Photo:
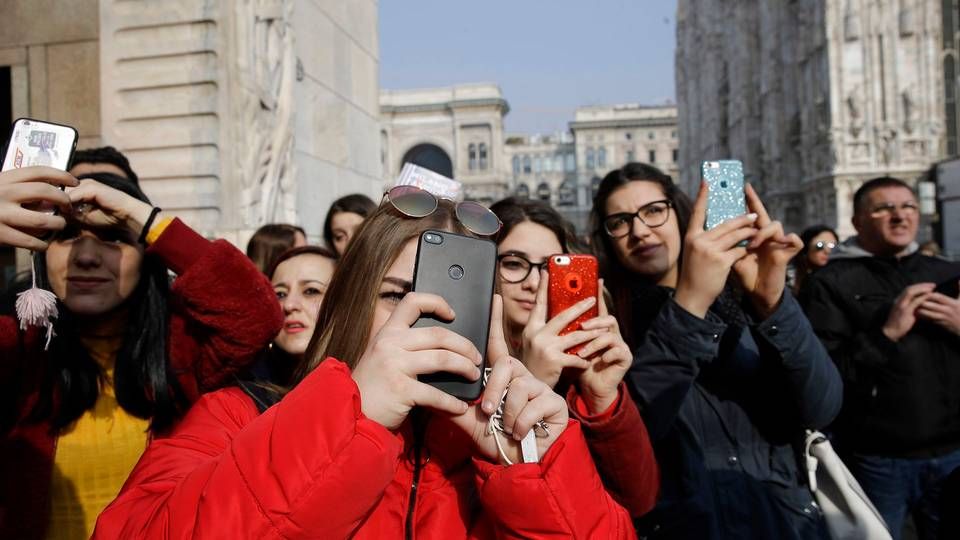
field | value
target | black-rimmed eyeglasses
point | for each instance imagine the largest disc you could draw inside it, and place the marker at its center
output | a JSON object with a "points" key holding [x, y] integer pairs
{"points": [[514, 268], [652, 215]]}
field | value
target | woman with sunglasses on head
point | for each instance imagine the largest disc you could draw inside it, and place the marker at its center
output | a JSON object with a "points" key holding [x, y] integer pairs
{"points": [[726, 381], [128, 352], [591, 379], [818, 242], [358, 447]]}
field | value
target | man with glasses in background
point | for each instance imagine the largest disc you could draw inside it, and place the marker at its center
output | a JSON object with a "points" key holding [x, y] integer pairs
{"points": [[880, 309]]}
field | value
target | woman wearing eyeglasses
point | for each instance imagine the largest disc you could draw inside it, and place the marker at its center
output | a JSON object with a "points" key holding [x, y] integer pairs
{"points": [[358, 447], [818, 242], [727, 375], [592, 379]]}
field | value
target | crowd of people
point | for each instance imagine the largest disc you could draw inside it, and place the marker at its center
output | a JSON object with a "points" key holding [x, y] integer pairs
{"points": [[192, 391]]}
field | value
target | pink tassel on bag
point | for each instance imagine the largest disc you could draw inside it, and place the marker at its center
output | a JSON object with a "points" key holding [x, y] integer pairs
{"points": [[37, 307]]}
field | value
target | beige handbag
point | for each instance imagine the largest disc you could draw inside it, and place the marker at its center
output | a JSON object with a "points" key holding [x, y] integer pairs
{"points": [[848, 512]]}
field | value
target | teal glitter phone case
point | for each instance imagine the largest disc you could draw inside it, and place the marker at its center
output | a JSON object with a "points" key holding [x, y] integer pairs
{"points": [[725, 196]]}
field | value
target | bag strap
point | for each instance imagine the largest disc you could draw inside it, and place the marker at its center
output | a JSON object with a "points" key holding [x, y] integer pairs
{"points": [[813, 438]]}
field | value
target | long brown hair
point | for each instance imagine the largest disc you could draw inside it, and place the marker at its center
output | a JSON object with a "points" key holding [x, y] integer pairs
{"points": [[343, 326]]}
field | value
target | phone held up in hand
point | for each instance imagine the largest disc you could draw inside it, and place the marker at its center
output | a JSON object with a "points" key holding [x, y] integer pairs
{"points": [[725, 196], [460, 269], [35, 143], [572, 278]]}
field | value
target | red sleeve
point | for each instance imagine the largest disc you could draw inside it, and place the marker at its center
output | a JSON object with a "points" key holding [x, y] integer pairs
{"points": [[560, 497], [223, 310], [311, 466], [621, 448]]}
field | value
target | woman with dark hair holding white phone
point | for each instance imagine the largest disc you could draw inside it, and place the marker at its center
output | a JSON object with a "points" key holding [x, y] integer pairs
{"points": [[128, 352]]}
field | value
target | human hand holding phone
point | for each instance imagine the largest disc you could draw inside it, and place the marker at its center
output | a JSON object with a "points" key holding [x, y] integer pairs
{"points": [[708, 256], [600, 380], [544, 348], [19, 226], [528, 401], [763, 271], [387, 372]]}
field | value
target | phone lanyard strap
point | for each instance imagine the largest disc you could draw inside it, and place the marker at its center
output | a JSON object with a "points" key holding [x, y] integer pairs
{"points": [[528, 445]]}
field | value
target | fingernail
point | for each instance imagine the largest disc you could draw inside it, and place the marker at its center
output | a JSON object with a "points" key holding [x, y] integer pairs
{"points": [[517, 437], [487, 407], [752, 216], [589, 301], [476, 374]]}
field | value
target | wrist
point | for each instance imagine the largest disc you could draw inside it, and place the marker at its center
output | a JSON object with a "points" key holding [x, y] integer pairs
{"points": [[138, 216], [598, 402], [691, 303], [763, 306], [891, 334]]}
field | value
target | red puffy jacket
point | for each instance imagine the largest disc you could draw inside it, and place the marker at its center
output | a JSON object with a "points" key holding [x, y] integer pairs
{"points": [[223, 311], [313, 466]]}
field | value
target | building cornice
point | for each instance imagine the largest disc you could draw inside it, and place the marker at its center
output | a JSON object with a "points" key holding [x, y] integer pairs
{"points": [[446, 106], [623, 123]]}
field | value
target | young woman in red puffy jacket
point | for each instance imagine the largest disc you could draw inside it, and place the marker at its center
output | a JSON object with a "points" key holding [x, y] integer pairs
{"points": [[358, 447], [129, 353]]}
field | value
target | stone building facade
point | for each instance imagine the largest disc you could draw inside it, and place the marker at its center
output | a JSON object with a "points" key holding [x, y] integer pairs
{"points": [[609, 136], [814, 97], [233, 112], [456, 131]]}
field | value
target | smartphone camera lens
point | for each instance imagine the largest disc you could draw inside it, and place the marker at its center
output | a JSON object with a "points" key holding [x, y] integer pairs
{"points": [[456, 272], [433, 238]]}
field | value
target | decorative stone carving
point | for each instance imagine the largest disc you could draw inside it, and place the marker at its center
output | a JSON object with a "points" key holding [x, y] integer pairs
{"points": [[905, 18], [911, 114], [267, 69], [851, 22], [854, 103]]}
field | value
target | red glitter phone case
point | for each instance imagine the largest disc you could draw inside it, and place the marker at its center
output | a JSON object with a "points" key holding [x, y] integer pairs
{"points": [[572, 279]]}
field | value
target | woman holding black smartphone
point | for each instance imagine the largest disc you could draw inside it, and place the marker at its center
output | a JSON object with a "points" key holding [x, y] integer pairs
{"points": [[129, 352], [727, 375], [358, 446]]}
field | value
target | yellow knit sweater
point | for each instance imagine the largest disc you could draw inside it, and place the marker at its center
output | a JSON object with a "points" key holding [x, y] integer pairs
{"points": [[95, 454]]}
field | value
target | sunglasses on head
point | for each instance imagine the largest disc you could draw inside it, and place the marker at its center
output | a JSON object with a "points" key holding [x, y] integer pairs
{"points": [[414, 202]]}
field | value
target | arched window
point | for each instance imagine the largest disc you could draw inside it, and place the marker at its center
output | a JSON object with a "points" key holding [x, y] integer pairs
{"points": [[526, 164], [602, 158], [567, 194], [431, 157], [483, 156], [543, 192], [591, 164], [516, 164], [472, 157], [523, 191]]}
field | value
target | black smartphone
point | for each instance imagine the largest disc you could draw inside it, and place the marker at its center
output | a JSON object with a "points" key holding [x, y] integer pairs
{"points": [[950, 287], [461, 269]]}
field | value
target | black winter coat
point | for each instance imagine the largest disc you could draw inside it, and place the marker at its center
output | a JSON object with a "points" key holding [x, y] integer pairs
{"points": [[901, 399], [725, 406]]}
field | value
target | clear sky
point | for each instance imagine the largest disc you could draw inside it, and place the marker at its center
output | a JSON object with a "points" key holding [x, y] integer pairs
{"points": [[548, 56]]}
